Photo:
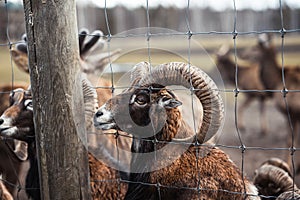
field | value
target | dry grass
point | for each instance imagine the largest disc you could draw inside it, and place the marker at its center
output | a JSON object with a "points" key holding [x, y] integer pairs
{"points": [[164, 49], [8, 70]]}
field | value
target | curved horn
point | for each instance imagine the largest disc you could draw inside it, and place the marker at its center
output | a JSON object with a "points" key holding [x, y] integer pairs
{"points": [[289, 195], [137, 73], [90, 101], [277, 178], [223, 50], [193, 78], [90, 43], [278, 163]]}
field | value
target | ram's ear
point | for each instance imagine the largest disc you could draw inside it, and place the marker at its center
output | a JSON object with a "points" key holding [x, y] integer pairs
{"points": [[171, 103], [22, 47], [14, 53], [21, 150]]}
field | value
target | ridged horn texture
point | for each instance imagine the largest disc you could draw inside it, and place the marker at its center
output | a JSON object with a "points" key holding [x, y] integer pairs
{"points": [[193, 78], [272, 181], [137, 73], [90, 101], [278, 163], [289, 195]]}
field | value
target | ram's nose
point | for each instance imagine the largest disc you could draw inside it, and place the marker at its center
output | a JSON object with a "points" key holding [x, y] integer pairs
{"points": [[99, 113], [1, 121]]}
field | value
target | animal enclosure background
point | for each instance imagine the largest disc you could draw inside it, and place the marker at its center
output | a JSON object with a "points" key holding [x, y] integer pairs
{"points": [[194, 33]]}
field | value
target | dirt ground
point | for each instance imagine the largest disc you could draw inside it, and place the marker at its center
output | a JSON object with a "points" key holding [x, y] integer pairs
{"points": [[259, 148]]}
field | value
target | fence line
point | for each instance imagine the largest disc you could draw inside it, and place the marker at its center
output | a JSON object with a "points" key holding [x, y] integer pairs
{"points": [[236, 91]]}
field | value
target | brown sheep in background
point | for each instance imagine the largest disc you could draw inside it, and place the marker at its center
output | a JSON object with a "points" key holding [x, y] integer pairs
{"points": [[13, 153], [204, 172], [4, 193], [273, 180], [5, 91], [13, 164], [92, 62], [91, 65], [271, 75], [248, 79], [292, 80], [20, 114], [20, 57], [265, 53]]}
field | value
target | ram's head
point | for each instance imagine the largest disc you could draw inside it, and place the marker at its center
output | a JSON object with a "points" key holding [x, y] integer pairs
{"points": [[141, 105]]}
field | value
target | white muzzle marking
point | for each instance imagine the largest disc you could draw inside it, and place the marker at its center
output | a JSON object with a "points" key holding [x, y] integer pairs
{"points": [[103, 119], [6, 128]]}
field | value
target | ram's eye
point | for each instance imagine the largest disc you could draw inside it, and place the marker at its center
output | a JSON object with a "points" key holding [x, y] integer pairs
{"points": [[166, 98], [141, 99], [28, 104]]}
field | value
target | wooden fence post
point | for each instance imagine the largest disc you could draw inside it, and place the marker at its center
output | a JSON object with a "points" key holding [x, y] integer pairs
{"points": [[57, 98]]}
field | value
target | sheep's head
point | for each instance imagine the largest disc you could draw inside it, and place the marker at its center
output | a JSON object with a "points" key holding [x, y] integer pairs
{"points": [[151, 104], [17, 121], [20, 57], [265, 39], [261, 51], [223, 52], [89, 64], [148, 110]]}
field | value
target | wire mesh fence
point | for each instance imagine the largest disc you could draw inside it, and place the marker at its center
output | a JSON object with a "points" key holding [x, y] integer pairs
{"points": [[247, 148]]}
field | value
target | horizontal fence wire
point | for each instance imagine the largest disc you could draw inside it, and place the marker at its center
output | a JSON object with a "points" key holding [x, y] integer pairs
{"points": [[189, 33]]}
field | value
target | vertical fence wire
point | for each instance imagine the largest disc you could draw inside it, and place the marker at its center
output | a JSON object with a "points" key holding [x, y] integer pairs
{"points": [[108, 44], [284, 95], [10, 45], [116, 133], [236, 92], [189, 37]]}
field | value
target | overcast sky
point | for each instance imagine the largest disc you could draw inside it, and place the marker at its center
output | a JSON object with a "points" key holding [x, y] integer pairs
{"points": [[214, 4]]}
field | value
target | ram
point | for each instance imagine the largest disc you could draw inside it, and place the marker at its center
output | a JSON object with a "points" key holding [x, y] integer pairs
{"points": [[154, 120], [17, 123], [274, 181]]}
